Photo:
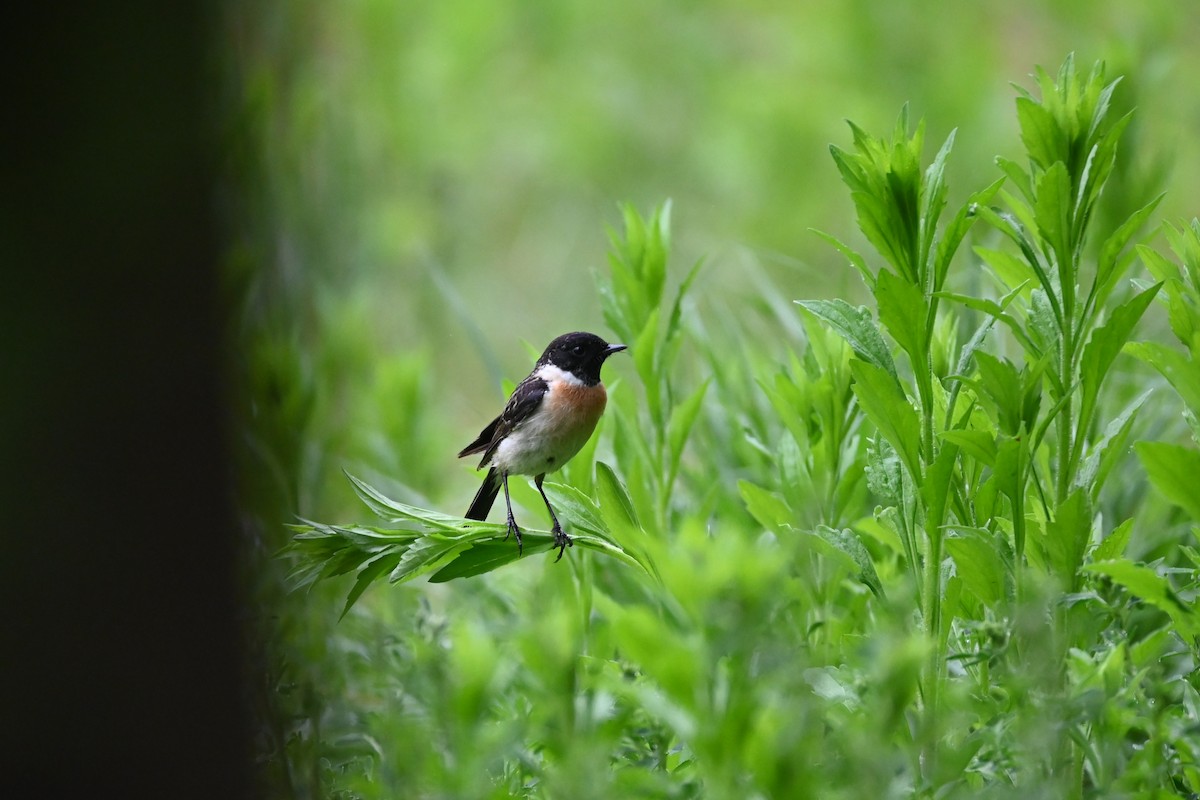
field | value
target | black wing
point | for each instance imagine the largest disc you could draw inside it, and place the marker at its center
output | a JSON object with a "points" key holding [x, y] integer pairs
{"points": [[526, 399]]}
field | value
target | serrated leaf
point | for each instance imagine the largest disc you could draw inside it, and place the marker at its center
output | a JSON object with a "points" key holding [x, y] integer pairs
{"points": [[856, 327], [1052, 211], [1067, 538], [847, 542], [903, 312], [978, 562], [885, 404]]}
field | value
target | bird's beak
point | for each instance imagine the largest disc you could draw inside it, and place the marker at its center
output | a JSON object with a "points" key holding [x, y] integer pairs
{"points": [[614, 348]]}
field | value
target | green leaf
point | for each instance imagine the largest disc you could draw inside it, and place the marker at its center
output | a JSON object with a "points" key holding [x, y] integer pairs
{"points": [[395, 511], [1143, 582], [1181, 372], [902, 310], [425, 555], [1012, 271], [1174, 471], [1000, 388], [1040, 132], [1017, 175], [856, 327], [616, 507], [846, 541], [1104, 345], [1052, 211], [979, 562], [936, 487], [979, 445], [856, 260], [1067, 538], [768, 508], [1107, 272], [957, 230], [1113, 546], [680, 426], [997, 312], [885, 404], [1111, 446]]}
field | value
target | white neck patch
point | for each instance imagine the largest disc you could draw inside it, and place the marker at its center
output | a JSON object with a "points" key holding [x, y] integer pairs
{"points": [[551, 373]]}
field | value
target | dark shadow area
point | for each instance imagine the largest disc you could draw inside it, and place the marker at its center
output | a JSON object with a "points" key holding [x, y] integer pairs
{"points": [[121, 665]]}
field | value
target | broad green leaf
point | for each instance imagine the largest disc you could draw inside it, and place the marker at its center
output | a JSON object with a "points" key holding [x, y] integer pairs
{"points": [[885, 404], [856, 327], [1052, 211], [1043, 139], [1067, 538], [768, 508], [1000, 387], [902, 310], [978, 562], [482, 557], [979, 445], [1174, 471]]}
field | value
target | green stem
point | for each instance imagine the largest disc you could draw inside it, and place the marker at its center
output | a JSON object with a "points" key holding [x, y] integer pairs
{"points": [[933, 668]]}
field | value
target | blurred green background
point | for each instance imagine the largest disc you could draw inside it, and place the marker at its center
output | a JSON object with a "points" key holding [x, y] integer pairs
{"points": [[419, 193], [435, 178]]}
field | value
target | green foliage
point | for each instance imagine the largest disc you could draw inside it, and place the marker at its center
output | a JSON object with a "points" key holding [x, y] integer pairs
{"points": [[852, 550]]}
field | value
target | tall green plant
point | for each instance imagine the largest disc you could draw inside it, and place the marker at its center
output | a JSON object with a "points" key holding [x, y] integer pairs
{"points": [[963, 443]]}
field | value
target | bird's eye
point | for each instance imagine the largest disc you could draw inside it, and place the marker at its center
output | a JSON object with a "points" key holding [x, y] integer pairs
{"points": [[577, 349]]}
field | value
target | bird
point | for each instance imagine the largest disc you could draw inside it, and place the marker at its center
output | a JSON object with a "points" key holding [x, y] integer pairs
{"points": [[548, 418]]}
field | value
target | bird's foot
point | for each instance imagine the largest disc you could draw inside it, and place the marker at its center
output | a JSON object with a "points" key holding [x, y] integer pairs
{"points": [[561, 541], [513, 530]]}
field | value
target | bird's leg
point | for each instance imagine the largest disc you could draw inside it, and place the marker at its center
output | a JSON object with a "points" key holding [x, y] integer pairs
{"points": [[512, 523], [561, 540]]}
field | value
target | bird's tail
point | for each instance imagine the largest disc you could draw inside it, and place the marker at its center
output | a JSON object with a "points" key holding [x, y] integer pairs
{"points": [[486, 495]]}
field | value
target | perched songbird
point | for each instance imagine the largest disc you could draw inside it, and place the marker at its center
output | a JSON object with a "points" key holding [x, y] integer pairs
{"points": [[549, 417]]}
